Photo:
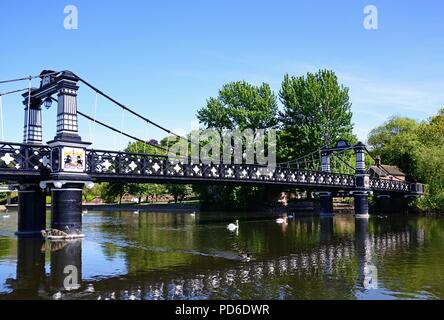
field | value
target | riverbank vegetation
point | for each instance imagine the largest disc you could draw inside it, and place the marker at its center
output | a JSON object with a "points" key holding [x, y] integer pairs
{"points": [[417, 148]]}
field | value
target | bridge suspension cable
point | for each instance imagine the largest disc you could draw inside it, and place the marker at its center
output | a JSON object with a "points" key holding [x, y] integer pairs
{"points": [[27, 78], [94, 120], [119, 131], [11, 92], [128, 109]]}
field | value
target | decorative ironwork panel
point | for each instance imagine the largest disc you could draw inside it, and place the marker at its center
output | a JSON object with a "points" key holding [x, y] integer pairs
{"points": [[24, 157]]}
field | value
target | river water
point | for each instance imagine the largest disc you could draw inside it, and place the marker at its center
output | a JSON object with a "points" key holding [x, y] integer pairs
{"points": [[130, 255]]}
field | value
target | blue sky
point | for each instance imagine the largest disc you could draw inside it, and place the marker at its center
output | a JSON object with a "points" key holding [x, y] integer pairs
{"points": [[166, 58]]}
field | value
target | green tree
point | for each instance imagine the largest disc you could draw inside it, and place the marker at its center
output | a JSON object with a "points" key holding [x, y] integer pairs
{"points": [[397, 142], [138, 189], [178, 191], [316, 113], [148, 147], [239, 105], [142, 189], [417, 149], [430, 166], [90, 194], [155, 190], [112, 191]]}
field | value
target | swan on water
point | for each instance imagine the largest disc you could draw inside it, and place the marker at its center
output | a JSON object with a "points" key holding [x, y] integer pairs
{"points": [[233, 226], [281, 220]]}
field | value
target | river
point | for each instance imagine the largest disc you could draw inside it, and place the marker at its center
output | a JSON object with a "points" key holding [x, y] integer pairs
{"points": [[130, 255]]}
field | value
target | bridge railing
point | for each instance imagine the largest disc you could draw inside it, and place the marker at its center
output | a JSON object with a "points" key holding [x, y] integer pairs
{"points": [[389, 185], [139, 165], [23, 158], [18, 159]]}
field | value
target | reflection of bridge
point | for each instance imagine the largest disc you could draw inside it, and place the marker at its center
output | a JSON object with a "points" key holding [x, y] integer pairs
{"points": [[328, 256], [66, 164]]}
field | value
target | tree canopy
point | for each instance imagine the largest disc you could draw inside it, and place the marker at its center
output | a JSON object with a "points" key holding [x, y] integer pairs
{"points": [[417, 148], [240, 105], [316, 113]]}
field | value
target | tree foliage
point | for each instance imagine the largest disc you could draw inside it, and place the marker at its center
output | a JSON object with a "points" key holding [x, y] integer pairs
{"points": [[141, 190], [240, 105], [417, 149], [317, 113], [110, 192], [397, 142], [178, 191]]}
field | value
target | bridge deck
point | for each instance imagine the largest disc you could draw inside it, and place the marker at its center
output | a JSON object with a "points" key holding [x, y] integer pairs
{"points": [[19, 162]]}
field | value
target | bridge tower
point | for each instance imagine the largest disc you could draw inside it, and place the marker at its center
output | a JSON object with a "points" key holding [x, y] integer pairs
{"points": [[325, 197], [68, 161], [66, 174], [362, 183], [31, 198]]}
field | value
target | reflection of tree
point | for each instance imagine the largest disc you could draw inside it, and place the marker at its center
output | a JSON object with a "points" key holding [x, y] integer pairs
{"points": [[174, 256], [5, 247], [420, 263], [110, 250], [301, 263], [175, 242]]}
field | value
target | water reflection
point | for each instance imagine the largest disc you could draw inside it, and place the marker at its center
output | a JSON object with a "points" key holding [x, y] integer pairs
{"points": [[178, 256]]}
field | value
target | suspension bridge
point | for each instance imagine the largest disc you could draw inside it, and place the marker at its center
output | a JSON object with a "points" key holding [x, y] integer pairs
{"points": [[66, 164]]}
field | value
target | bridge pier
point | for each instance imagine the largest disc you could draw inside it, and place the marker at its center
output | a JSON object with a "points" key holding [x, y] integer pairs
{"points": [[392, 204], [383, 204], [30, 273], [326, 204], [31, 210], [362, 183], [66, 207], [361, 204], [327, 229]]}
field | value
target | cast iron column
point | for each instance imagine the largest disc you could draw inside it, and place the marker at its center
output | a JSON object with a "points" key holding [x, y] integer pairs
{"points": [[66, 209], [31, 199], [325, 198], [362, 183], [31, 210]]}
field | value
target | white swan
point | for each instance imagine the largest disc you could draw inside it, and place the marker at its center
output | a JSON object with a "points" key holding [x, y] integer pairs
{"points": [[193, 214], [136, 212], [281, 220], [233, 226], [6, 216]]}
